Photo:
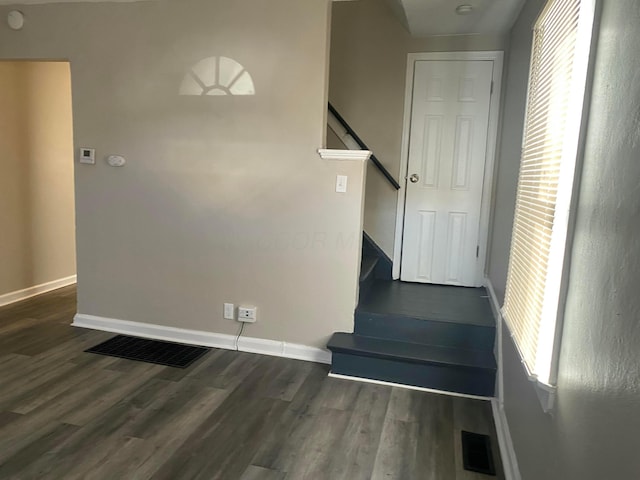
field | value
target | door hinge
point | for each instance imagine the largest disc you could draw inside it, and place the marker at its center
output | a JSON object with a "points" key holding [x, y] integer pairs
{"points": [[491, 92], [477, 251]]}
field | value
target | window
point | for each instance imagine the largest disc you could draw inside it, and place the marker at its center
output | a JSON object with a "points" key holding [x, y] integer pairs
{"points": [[557, 82]]}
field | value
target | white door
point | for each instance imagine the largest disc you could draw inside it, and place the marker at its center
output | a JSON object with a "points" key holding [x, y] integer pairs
{"points": [[447, 152]]}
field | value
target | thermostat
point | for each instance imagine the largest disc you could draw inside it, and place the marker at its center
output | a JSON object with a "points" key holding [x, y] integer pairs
{"points": [[88, 155]]}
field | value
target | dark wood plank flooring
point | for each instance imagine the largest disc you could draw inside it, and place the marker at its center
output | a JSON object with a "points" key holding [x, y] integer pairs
{"points": [[65, 414]]}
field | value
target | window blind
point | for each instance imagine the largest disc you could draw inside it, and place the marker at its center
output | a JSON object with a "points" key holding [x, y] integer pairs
{"points": [[552, 123]]}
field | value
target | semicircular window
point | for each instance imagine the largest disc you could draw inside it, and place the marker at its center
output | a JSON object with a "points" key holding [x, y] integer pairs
{"points": [[217, 76]]}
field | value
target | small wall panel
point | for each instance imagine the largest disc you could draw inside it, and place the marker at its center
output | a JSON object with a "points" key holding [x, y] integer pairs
{"points": [[431, 147], [456, 232], [462, 153], [426, 241]]}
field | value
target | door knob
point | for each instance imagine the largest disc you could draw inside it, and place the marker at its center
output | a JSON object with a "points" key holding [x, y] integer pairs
{"points": [[414, 178]]}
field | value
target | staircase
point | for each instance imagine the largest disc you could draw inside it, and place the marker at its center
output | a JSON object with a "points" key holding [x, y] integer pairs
{"points": [[431, 336]]}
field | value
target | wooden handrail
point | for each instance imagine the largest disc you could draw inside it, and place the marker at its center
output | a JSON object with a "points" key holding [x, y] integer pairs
{"points": [[363, 146]]}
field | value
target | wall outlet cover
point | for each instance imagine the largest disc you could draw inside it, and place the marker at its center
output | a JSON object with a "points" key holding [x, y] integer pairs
{"points": [[247, 314]]}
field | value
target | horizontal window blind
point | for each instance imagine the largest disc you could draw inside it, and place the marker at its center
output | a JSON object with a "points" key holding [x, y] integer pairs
{"points": [[531, 300]]}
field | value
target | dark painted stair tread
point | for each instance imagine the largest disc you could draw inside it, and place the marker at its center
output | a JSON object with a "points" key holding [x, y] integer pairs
{"points": [[368, 264], [410, 352], [429, 302], [429, 332]]}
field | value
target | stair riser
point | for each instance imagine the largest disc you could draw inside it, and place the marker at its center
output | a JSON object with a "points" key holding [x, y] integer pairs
{"points": [[384, 267], [470, 381], [365, 285], [406, 329]]}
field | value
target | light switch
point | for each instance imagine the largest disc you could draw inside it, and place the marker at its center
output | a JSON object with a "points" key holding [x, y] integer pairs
{"points": [[341, 183]]}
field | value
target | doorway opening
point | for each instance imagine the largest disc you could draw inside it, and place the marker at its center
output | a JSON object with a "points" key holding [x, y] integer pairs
{"points": [[37, 205]]}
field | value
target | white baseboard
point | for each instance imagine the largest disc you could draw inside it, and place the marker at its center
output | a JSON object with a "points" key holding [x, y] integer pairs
{"points": [[207, 339], [495, 307], [493, 298], [19, 295], [507, 452], [408, 387]]}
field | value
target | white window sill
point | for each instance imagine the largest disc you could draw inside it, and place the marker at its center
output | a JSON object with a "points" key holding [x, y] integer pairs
{"points": [[546, 395]]}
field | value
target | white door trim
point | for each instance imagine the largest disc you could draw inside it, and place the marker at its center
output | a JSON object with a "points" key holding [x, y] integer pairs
{"points": [[492, 136]]}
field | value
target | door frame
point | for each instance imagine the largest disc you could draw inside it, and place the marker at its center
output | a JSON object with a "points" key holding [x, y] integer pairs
{"points": [[497, 57]]}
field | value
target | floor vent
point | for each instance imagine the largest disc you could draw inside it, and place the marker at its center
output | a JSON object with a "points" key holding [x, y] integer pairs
{"points": [[476, 453], [150, 351]]}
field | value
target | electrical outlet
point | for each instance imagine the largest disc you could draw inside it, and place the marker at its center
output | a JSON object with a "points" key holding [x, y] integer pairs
{"points": [[229, 311], [247, 314]]}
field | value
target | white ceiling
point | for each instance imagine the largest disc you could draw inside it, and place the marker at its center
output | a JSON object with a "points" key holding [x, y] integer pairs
{"points": [[42, 2], [438, 17], [421, 17]]}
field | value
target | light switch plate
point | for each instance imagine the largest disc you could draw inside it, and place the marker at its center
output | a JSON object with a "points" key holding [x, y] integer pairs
{"points": [[341, 183], [229, 311]]}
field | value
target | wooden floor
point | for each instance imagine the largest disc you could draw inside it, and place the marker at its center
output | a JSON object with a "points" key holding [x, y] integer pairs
{"points": [[65, 414]]}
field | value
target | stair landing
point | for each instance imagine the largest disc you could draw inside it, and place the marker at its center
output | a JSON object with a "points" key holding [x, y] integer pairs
{"points": [[443, 303]]}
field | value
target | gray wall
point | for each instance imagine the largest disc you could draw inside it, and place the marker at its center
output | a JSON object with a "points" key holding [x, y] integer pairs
{"points": [[223, 199], [369, 48], [592, 433]]}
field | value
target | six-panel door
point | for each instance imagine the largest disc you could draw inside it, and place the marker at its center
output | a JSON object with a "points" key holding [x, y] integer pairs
{"points": [[447, 152]]}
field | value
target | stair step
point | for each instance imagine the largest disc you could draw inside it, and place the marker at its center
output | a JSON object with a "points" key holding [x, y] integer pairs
{"points": [[428, 332], [430, 302], [384, 265], [367, 266], [367, 274], [429, 366], [367, 247], [455, 317], [410, 352]]}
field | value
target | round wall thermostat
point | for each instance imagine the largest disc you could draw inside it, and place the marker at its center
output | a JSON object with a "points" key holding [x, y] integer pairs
{"points": [[15, 20]]}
